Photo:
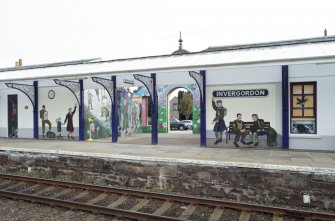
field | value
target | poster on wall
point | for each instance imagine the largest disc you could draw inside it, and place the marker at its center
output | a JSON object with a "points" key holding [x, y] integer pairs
{"points": [[12, 116], [97, 114]]}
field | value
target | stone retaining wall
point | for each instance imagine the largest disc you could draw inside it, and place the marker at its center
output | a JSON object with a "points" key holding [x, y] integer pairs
{"points": [[277, 187]]}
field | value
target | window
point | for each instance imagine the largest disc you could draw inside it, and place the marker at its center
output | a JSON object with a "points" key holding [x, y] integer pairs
{"points": [[303, 108], [175, 107]]}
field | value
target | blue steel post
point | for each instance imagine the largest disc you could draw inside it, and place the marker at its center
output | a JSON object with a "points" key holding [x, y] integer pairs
{"points": [[285, 106], [36, 110], [81, 112], [203, 111], [154, 110], [115, 120]]}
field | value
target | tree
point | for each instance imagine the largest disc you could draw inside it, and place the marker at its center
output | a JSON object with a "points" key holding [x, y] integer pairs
{"points": [[185, 104]]}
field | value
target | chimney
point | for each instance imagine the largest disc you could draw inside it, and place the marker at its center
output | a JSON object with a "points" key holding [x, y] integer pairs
{"points": [[19, 63], [325, 32]]}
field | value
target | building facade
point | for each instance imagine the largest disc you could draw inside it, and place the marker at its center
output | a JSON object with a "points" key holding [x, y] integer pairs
{"points": [[289, 84]]}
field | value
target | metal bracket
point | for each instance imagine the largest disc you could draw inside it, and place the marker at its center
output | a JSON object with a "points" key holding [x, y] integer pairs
{"points": [[73, 86], [27, 89], [107, 84], [148, 83]]}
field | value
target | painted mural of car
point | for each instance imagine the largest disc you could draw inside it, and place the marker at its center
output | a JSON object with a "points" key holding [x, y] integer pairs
{"points": [[176, 124], [188, 123]]}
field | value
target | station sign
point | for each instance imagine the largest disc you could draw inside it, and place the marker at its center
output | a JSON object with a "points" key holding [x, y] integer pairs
{"points": [[242, 93], [128, 81]]}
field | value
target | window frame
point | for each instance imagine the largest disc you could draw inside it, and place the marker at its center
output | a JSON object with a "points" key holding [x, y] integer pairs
{"points": [[314, 108]]}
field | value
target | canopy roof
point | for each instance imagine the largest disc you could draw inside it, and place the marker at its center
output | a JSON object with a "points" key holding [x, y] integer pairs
{"points": [[280, 51]]}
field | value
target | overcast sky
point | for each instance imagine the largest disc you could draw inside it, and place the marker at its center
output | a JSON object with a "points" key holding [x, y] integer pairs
{"points": [[44, 31]]}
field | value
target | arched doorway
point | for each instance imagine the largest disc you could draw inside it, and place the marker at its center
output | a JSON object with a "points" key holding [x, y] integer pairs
{"points": [[180, 109]]}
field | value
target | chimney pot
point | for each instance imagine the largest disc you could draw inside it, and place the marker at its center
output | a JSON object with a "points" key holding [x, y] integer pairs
{"points": [[20, 62], [17, 64]]}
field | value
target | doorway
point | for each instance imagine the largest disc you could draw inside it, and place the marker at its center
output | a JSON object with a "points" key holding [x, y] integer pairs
{"points": [[180, 109], [12, 116]]}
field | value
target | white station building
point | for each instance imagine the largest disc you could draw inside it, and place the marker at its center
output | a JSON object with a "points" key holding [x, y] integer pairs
{"points": [[289, 84]]}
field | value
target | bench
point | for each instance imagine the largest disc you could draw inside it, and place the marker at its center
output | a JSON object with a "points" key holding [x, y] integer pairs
{"points": [[230, 129]]}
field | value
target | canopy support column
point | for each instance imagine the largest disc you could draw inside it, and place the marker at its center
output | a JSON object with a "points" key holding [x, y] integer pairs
{"points": [[77, 88], [81, 112], [285, 106], [150, 84], [110, 87], [115, 118], [36, 110]]}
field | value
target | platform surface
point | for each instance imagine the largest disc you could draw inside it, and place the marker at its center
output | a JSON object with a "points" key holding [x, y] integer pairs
{"points": [[296, 160]]}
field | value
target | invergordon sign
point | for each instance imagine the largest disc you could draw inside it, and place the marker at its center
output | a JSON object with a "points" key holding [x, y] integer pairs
{"points": [[242, 93]]}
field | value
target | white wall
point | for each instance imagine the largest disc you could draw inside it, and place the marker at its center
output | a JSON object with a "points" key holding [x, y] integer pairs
{"points": [[324, 75], [245, 75], [58, 107], [25, 116]]}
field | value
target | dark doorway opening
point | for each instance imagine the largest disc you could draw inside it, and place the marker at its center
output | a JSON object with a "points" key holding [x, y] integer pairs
{"points": [[12, 116]]}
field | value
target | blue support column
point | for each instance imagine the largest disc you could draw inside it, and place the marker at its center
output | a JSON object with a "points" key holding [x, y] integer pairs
{"points": [[81, 112], [115, 119], [154, 114], [285, 106], [35, 110], [203, 111]]}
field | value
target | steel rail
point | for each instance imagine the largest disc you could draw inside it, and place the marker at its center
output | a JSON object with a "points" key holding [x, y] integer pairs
{"points": [[177, 198], [86, 207]]}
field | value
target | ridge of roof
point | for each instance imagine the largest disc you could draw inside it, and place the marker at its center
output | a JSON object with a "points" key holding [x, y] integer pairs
{"points": [[55, 64], [271, 44], [208, 50]]}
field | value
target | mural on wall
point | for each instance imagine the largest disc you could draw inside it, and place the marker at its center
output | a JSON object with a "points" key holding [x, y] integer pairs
{"points": [[58, 113], [130, 113], [163, 92], [242, 126], [12, 116], [97, 106]]}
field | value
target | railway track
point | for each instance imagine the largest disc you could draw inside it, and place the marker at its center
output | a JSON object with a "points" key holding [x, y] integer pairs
{"points": [[142, 205]]}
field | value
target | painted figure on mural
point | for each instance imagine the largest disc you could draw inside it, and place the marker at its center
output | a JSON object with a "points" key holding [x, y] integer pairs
{"points": [[69, 120], [218, 121], [104, 108], [45, 120], [59, 128], [257, 129], [240, 130], [124, 109], [90, 102]]}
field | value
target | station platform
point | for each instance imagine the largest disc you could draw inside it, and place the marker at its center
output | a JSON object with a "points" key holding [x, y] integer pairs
{"points": [[262, 158]]}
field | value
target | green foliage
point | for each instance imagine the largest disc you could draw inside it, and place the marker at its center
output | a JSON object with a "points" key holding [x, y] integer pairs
{"points": [[185, 104], [162, 189], [123, 181], [3, 169], [268, 200]]}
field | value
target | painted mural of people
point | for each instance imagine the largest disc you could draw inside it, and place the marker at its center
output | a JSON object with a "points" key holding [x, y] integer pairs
{"points": [[257, 129], [45, 120], [239, 130], [219, 123], [59, 128], [69, 120]]}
